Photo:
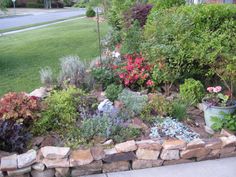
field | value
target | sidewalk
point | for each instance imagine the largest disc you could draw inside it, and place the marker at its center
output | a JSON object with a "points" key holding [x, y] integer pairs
{"points": [[212, 168]]}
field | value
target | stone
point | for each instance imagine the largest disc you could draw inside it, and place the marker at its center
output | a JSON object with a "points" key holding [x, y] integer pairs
{"points": [[209, 130], [208, 157], [56, 163], [140, 164], [149, 144], [19, 171], [97, 153], [38, 166], [9, 162], [126, 146], [110, 151], [52, 152], [80, 157], [213, 143], [40, 93], [108, 143], [170, 154], [228, 141], [92, 168], [215, 152], [174, 162], [233, 154], [198, 152], [227, 150], [146, 154], [118, 104], [45, 173], [124, 156], [138, 123], [197, 143], [116, 166], [174, 144], [106, 106], [26, 159], [62, 172], [226, 133]]}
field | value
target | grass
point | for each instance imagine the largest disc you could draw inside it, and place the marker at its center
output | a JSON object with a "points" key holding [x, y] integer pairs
{"points": [[23, 54]]}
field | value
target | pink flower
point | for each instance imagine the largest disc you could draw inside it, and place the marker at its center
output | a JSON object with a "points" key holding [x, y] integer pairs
{"points": [[150, 83], [210, 89], [217, 89]]}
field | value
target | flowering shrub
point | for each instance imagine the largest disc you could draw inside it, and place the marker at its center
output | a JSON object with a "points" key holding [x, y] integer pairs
{"points": [[215, 98], [135, 72], [19, 106]]}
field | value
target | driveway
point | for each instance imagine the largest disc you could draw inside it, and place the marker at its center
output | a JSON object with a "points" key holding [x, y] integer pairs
{"points": [[38, 16], [212, 168]]}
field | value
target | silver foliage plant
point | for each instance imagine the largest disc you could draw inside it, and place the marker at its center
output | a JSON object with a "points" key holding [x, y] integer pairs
{"points": [[73, 71], [46, 76]]}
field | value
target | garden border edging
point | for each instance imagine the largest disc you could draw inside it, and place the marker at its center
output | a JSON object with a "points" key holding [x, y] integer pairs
{"points": [[52, 161]]}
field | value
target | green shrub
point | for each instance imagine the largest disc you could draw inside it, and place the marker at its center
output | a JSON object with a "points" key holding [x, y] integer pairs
{"points": [[112, 91], [132, 39], [179, 110], [60, 113], [228, 122], [97, 126], [192, 91], [158, 106], [133, 102], [90, 12], [190, 38], [122, 134], [34, 5]]}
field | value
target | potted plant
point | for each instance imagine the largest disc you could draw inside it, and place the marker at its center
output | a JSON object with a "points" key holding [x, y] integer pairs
{"points": [[215, 103]]}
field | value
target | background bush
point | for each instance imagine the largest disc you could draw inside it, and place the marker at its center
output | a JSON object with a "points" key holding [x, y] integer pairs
{"points": [[190, 38], [112, 91], [192, 91], [90, 12]]}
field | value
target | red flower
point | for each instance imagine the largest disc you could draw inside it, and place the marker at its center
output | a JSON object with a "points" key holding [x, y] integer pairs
{"points": [[150, 83]]}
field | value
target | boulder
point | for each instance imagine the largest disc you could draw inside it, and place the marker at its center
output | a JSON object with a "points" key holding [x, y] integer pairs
{"points": [[62, 172], [56, 163], [126, 146], [110, 151], [213, 143], [198, 152], [92, 168], [52, 152], [229, 141], [174, 144], [97, 153], [116, 166], [45, 173], [146, 154], [140, 164], [125, 156], [40, 92], [19, 171], [149, 144], [170, 154], [9, 162], [197, 143], [80, 157], [26, 159], [38, 166]]}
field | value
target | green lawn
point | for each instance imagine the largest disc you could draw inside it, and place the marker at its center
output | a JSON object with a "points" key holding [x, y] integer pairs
{"points": [[23, 54]]}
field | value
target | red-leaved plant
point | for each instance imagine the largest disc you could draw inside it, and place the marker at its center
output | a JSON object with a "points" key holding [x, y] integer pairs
{"points": [[19, 106], [135, 72]]}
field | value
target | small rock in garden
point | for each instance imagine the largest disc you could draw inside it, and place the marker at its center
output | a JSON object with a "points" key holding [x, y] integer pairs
{"points": [[146, 154], [198, 152], [62, 172], [19, 171], [126, 146], [116, 166], [174, 144], [149, 144], [209, 130], [80, 157], [118, 104], [97, 153], [228, 141], [197, 143], [40, 93], [9, 162], [46, 173], [89, 169], [170, 154], [110, 151], [26, 159], [106, 106], [56, 163], [52, 152], [108, 142], [38, 166]]}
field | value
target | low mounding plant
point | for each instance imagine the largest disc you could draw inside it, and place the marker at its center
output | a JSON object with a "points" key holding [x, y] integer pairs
{"points": [[46, 76], [19, 107], [113, 91], [228, 122], [60, 113], [192, 91], [133, 102], [90, 12], [73, 71], [135, 72], [17, 112]]}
